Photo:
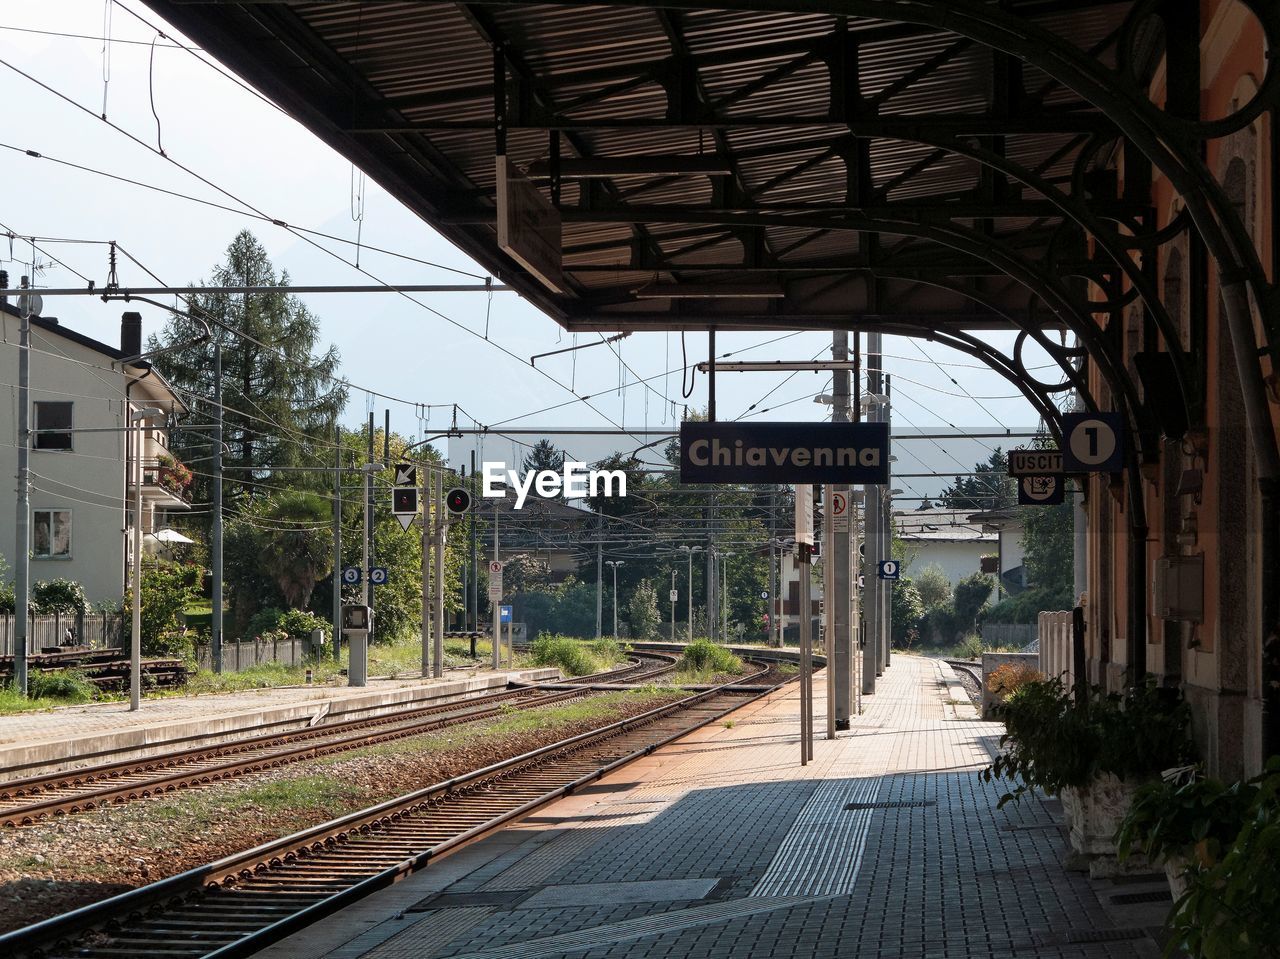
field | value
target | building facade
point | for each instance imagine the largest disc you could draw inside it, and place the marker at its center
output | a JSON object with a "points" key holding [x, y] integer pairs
{"points": [[82, 459]]}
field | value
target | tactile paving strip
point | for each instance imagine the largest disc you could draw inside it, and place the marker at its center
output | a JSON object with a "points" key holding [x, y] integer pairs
{"points": [[822, 853]]}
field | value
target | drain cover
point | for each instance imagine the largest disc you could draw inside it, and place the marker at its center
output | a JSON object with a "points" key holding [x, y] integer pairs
{"points": [[1104, 935], [901, 804], [1156, 895]]}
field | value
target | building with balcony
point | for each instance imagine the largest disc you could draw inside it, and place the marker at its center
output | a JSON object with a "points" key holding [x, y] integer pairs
{"points": [[82, 459]]}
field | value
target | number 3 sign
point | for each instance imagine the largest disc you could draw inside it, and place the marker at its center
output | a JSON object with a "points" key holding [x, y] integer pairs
{"points": [[1092, 442]]}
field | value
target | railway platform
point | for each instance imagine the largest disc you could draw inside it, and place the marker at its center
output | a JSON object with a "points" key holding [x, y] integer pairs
{"points": [[721, 844], [72, 736]]}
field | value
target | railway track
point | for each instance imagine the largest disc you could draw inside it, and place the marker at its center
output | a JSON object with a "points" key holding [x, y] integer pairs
{"points": [[26, 801], [972, 670], [238, 905]]}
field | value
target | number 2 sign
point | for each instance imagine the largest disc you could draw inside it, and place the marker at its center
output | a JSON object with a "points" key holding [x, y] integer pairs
{"points": [[1092, 442]]}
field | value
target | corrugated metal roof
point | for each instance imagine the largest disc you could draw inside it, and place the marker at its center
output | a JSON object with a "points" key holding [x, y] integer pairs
{"points": [[406, 90]]}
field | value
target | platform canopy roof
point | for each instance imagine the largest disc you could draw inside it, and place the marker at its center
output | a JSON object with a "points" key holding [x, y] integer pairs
{"points": [[687, 165]]}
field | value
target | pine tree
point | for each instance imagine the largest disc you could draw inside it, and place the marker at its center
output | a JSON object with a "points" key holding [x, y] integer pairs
{"points": [[544, 456], [988, 487], [281, 398]]}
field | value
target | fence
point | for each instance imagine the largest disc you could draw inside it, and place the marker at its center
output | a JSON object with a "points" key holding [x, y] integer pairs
{"points": [[238, 656], [1009, 634], [98, 630], [1056, 654]]}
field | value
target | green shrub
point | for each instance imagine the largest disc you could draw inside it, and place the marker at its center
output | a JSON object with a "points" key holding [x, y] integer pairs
{"points": [[299, 625], [263, 623], [703, 656], [971, 593], [58, 596], [1027, 606], [907, 611], [69, 685], [971, 647], [571, 655], [166, 592]]}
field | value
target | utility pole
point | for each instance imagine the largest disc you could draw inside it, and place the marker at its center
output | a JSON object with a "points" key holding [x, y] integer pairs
{"points": [[428, 559], [497, 625], [712, 579], [871, 538], [690, 550], [337, 542], [772, 604], [599, 574], [613, 564], [358, 658], [215, 552], [441, 532], [673, 605], [724, 597], [841, 647], [473, 599], [22, 573]]}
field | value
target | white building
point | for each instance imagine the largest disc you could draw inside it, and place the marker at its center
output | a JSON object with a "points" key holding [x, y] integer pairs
{"points": [[946, 538], [82, 395], [1009, 527]]}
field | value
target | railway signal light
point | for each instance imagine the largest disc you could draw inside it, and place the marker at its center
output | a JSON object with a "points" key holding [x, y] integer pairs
{"points": [[457, 501]]}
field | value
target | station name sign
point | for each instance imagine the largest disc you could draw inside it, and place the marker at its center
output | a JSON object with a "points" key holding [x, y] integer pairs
{"points": [[1031, 462], [790, 453]]}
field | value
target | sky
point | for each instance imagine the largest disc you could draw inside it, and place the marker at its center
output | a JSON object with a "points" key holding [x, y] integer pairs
{"points": [[467, 349]]}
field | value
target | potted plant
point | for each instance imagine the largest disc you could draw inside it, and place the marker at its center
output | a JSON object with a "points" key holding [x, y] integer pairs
{"points": [[1184, 819], [1092, 752], [1232, 903]]}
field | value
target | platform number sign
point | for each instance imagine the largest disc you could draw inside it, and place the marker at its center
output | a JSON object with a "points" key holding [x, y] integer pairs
{"points": [[1092, 442], [1040, 490], [764, 594], [890, 569], [351, 576], [378, 575]]}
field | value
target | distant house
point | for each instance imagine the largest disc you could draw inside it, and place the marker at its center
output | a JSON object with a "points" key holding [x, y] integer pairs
{"points": [[82, 394], [1008, 526], [946, 538]]}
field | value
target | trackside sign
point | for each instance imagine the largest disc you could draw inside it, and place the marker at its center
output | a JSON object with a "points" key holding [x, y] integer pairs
{"points": [[792, 453]]}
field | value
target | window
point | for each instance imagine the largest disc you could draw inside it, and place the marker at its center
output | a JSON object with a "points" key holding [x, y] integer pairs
{"points": [[51, 534], [52, 416]]}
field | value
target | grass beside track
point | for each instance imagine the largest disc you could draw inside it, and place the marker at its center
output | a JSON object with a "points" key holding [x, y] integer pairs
{"points": [[401, 657], [62, 863]]}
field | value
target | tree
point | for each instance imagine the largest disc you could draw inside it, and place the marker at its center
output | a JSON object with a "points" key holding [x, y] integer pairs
{"points": [[907, 610], [524, 572], [544, 456], [280, 396], [988, 487], [296, 537], [971, 594], [933, 587], [1048, 542], [642, 611]]}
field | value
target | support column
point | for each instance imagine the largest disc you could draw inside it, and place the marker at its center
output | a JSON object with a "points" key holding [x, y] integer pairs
{"points": [[840, 666], [871, 536]]}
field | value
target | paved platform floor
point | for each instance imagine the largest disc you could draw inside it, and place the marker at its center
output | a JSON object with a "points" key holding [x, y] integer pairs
{"points": [[887, 845]]}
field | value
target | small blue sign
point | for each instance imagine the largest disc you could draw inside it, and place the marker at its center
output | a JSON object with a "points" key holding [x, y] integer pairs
{"points": [[890, 569], [504, 614], [351, 575], [378, 575], [1092, 442]]}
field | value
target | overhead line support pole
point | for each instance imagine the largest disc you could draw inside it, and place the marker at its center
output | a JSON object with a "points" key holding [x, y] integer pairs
{"points": [[215, 557], [22, 559], [337, 542]]}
